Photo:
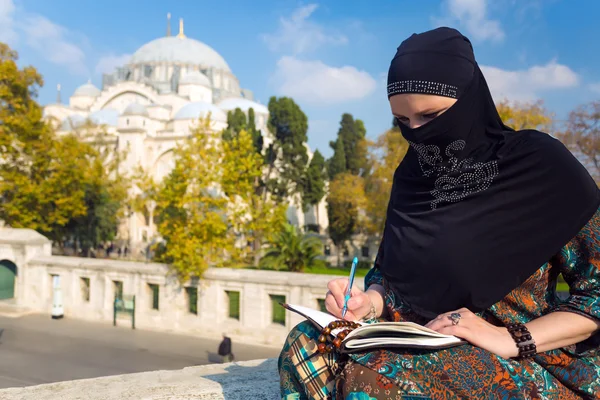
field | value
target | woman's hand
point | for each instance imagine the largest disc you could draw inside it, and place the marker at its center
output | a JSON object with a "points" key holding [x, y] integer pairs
{"points": [[477, 331], [359, 304]]}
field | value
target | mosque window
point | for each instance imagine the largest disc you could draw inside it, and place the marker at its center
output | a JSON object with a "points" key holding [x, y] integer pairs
{"points": [[154, 295], [233, 298], [147, 71], [192, 299], [85, 289], [277, 311], [321, 305]]}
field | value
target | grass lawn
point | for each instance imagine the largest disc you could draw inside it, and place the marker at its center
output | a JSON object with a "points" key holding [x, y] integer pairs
{"points": [[321, 269], [324, 270]]}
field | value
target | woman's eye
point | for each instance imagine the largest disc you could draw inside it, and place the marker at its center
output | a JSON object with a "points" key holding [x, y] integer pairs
{"points": [[431, 115], [403, 120]]}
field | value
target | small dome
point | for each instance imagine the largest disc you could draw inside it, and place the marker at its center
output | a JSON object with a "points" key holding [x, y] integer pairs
{"points": [[195, 78], [87, 89], [200, 109], [72, 122], [106, 116], [136, 109], [232, 103]]}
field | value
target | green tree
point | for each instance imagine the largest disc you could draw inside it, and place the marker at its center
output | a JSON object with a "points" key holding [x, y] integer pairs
{"points": [[256, 134], [314, 182], [345, 201], [253, 215], [236, 121], [40, 176], [105, 196], [292, 250], [192, 211], [352, 135], [287, 157], [337, 162]]}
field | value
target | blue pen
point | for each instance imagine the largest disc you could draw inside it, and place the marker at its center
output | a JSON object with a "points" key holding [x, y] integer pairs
{"points": [[352, 272]]}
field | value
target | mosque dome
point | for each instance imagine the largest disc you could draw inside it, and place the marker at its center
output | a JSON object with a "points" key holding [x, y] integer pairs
{"points": [[200, 109], [87, 89], [136, 109], [195, 78], [231, 103], [105, 116], [179, 50]]}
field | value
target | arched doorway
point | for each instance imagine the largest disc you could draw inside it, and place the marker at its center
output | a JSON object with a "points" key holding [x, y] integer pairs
{"points": [[8, 273]]}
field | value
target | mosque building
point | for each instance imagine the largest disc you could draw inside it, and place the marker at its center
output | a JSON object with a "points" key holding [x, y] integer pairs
{"points": [[149, 105]]}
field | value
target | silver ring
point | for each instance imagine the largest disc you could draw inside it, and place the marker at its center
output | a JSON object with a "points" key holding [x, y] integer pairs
{"points": [[455, 318]]}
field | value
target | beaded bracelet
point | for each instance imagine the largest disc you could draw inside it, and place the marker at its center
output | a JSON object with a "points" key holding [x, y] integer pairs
{"points": [[523, 340], [335, 343]]}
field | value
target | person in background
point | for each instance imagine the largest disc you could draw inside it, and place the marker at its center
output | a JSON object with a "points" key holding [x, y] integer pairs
{"points": [[225, 349]]}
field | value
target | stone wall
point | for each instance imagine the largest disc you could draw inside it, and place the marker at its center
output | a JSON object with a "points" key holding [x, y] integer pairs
{"points": [[256, 317]]}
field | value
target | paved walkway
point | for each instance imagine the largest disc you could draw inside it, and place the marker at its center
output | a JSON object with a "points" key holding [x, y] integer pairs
{"points": [[35, 349]]}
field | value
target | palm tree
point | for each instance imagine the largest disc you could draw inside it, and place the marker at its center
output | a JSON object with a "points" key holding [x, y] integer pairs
{"points": [[293, 250]]}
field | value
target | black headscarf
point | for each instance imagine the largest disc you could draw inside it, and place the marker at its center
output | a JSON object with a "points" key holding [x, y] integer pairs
{"points": [[476, 207]]}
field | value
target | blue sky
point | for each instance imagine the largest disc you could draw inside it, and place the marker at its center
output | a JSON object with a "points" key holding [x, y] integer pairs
{"points": [[331, 57]]}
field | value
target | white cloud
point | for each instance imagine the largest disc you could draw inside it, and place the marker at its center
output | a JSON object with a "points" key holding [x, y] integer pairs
{"points": [[526, 85], [297, 34], [108, 63], [52, 42], [472, 16], [7, 31], [317, 83]]}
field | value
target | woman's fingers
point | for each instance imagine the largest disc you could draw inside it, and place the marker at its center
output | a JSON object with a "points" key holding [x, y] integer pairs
{"points": [[337, 287], [334, 301], [332, 306]]}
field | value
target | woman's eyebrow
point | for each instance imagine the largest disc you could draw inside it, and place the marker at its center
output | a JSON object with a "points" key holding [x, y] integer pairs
{"points": [[431, 110]]}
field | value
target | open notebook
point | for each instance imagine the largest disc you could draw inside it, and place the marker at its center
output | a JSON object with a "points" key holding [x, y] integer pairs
{"points": [[382, 334]]}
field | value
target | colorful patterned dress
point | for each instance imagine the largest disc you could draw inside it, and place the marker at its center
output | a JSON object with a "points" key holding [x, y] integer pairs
{"points": [[466, 372]]}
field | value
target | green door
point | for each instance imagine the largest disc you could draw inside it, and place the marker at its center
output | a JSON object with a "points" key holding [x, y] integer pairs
{"points": [[8, 271]]}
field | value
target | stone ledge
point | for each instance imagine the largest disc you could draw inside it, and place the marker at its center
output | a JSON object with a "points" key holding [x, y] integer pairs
{"points": [[256, 379]]}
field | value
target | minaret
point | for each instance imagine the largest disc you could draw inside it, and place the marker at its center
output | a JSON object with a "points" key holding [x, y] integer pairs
{"points": [[168, 24], [180, 34], [58, 101]]}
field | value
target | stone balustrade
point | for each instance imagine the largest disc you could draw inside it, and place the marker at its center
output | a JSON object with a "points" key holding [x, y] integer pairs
{"points": [[256, 380]]}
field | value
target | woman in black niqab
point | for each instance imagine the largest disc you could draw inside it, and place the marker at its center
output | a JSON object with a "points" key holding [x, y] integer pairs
{"points": [[481, 221]]}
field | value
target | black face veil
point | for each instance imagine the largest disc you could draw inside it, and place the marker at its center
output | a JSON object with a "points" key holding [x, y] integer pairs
{"points": [[476, 207]]}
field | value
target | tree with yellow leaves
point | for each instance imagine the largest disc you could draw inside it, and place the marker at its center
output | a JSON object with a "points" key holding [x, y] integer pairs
{"points": [[525, 115], [345, 203], [192, 210], [254, 213], [40, 176], [384, 156]]}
